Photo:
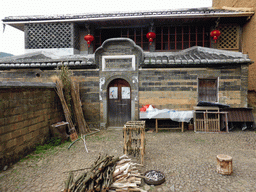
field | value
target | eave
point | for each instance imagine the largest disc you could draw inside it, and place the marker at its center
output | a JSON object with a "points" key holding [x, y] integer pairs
{"points": [[141, 17]]}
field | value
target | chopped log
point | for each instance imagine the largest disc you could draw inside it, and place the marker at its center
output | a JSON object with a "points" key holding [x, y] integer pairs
{"points": [[122, 179], [133, 178], [224, 164], [123, 185], [123, 157], [120, 170], [120, 176], [123, 161]]}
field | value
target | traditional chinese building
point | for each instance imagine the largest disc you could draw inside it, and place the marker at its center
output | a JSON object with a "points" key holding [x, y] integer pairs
{"points": [[122, 69], [248, 37]]}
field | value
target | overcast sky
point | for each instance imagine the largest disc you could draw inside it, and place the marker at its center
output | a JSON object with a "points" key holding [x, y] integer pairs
{"points": [[12, 40]]}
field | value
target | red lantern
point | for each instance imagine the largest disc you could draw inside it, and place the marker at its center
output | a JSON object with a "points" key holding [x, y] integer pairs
{"points": [[215, 34], [151, 36], [89, 38]]}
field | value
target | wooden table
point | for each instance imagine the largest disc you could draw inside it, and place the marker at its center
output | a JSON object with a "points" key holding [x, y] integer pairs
{"points": [[181, 126]]}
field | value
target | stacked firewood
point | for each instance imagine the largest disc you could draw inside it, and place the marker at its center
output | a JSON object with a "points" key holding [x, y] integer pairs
{"points": [[126, 176], [107, 174]]}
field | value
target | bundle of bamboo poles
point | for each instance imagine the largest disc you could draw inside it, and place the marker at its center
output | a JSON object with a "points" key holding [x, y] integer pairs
{"points": [[81, 123], [59, 90], [107, 174]]}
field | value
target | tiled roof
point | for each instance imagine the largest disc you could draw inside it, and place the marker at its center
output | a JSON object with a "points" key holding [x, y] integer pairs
{"points": [[139, 14], [195, 56], [45, 59]]}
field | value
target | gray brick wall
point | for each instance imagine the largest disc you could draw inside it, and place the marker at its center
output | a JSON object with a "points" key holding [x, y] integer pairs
{"points": [[177, 88]]}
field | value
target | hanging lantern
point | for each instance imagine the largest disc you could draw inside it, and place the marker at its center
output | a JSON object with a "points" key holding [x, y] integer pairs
{"points": [[151, 36], [215, 34], [89, 38]]}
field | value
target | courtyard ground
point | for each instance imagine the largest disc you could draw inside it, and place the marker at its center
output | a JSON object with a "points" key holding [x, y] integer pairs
{"points": [[187, 159]]}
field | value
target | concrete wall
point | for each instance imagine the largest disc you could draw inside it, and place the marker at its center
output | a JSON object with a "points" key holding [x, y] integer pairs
{"points": [[26, 114], [177, 88], [248, 42]]}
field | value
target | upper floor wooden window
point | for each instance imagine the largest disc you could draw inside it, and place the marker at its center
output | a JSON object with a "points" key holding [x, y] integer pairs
{"points": [[172, 38], [138, 35]]}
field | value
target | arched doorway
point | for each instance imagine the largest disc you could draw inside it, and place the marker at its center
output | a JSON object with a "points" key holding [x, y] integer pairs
{"points": [[119, 102]]}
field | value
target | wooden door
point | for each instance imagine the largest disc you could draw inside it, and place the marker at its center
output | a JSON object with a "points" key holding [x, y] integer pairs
{"points": [[119, 103]]}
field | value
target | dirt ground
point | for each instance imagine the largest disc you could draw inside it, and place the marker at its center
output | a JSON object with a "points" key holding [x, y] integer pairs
{"points": [[187, 159]]}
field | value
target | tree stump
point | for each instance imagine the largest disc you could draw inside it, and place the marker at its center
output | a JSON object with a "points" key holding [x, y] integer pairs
{"points": [[59, 130], [224, 164]]}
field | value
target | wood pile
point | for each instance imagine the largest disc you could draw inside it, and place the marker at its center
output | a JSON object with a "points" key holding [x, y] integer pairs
{"points": [[107, 174]]}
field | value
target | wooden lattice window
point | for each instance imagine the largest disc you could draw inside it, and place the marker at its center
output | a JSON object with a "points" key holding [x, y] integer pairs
{"points": [[229, 38], [207, 90], [51, 35]]}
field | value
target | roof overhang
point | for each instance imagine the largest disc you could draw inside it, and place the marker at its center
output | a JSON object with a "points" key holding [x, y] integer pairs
{"points": [[143, 16]]}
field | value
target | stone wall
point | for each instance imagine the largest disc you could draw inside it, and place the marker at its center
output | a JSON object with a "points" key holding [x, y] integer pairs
{"points": [[26, 114], [177, 88], [89, 93], [88, 80]]}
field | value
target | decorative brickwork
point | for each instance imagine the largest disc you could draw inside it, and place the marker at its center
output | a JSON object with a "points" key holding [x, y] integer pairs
{"points": [[51, 35]]}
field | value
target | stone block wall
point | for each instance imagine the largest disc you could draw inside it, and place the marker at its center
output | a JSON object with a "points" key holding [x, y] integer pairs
{"points": [[89, 93], [177, 88], [26, 114], [88, 80]]}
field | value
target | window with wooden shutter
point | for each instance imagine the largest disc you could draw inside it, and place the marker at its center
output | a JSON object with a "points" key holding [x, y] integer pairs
{"points": [[207, 90]]}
